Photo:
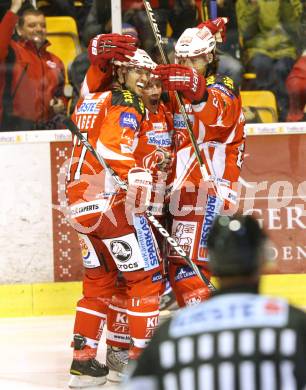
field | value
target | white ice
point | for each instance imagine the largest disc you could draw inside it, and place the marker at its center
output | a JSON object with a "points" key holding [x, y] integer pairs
{"points": [[35, 353]]}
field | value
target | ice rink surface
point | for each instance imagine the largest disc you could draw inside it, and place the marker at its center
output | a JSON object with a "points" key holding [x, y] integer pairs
{"points": [[36, 353]]}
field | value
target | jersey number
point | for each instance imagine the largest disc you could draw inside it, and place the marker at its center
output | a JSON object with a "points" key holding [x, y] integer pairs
{"points": [[77, 173]]}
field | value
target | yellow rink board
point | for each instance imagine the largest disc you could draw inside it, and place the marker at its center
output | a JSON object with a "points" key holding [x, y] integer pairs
{"points": [[19, 300]]}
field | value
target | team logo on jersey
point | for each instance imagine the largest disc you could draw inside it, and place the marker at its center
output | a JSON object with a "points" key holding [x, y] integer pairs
{"points": [[84, 248], [211, 210], [159, 139], [121, 250], [184, 234], [128, 119]]}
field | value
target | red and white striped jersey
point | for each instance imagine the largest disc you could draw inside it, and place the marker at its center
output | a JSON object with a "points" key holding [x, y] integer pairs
{"points": [[218, 127], [155, 139], [110, 121]]}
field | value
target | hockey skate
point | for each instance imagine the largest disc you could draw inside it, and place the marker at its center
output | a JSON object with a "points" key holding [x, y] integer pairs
{"points": [[117, 362], [86, 373]]}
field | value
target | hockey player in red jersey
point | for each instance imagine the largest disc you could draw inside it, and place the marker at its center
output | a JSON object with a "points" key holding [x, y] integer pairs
{"points": [[154, 152], [104, 219], [213, 106]]}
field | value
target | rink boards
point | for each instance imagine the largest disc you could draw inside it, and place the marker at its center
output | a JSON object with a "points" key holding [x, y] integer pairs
{"points": [[40, 248]]}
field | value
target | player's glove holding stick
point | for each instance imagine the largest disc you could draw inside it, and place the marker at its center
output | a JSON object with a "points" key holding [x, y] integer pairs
{"points": [[181, 78]]}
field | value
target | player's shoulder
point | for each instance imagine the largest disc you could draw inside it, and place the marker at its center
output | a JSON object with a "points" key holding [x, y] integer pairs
{"points": [[223, 83], [126, 98]]}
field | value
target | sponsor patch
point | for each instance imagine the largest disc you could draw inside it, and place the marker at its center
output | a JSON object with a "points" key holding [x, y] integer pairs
{"points": [[179, 122], [184, 272], [121, 250], [84, 249], [125, 252], [212, 208], [184, 234], [128, 119], [85, 208], [90, 258], [159, 139], [159, 126], [146, 242], [157, 277], [89, 106], [230, 311], [82, 210], [222, 89]]}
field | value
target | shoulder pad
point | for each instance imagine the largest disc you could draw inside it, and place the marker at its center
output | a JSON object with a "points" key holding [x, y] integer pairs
{"points": [[226, 81], [128, 99]]}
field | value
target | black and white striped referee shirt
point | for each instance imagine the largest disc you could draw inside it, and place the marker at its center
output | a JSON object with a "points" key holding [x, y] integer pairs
{"points": [[234, 341]]}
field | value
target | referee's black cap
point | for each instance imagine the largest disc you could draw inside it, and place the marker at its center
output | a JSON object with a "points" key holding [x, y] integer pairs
{"points": [[235, 245]]}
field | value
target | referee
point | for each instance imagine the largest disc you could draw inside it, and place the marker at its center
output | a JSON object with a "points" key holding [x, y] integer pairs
{"points": [[236, 340]]}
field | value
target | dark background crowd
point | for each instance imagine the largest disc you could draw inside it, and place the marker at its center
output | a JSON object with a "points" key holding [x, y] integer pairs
{"points": [[264, 50]]}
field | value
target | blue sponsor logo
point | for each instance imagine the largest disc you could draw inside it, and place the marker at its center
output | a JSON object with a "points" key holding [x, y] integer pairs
{"points": [[159, 139], [146, 242], [179, 122], [157, 277], [223, 89], [128, 119], [212, 208], [88, 107], [184, 273]]}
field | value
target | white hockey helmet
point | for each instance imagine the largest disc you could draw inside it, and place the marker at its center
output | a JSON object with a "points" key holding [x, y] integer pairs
{"points": [[195, 42], [140, 59]]}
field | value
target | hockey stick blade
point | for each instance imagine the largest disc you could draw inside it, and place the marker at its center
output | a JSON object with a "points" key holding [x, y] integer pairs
{"points": [[162, 231]]}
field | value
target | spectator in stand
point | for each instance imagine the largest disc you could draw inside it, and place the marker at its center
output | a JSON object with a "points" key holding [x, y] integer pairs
{"points": [[133, 12], [296, 85], [185, 14], [4, 6], [269, 31], [189, 13], [230, 64], [238, 339], [77, 9], [31, 78], [98, 21], [296, 81]]}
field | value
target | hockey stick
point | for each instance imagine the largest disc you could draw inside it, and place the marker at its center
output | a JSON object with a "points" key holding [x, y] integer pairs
{"points": [[213, 9], [122, 184], [158, 38]]}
